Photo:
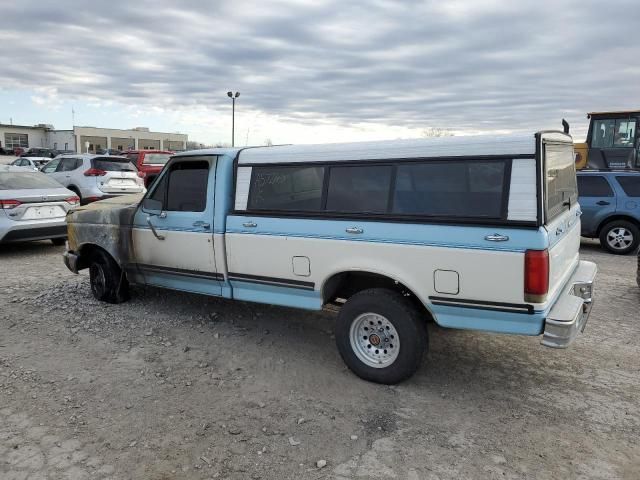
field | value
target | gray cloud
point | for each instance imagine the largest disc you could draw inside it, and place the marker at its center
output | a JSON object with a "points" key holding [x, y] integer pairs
{"points": [[455, 65]]}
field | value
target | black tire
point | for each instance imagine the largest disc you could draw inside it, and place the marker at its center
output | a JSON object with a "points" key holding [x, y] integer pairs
{"points": [[613, 235], [58, 241], [403, 316], [108, 282]]}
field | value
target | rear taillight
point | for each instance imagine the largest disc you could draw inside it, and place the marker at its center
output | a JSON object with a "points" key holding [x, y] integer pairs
{"points": [[536, 275], [94, 172], [73, 200], [9, 204], [141, 174]]}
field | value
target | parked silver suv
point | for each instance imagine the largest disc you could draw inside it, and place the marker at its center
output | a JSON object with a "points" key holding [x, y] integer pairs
{"points": [[95, 177]]}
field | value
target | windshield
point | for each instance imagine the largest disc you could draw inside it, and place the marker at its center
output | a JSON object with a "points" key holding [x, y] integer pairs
{"points": [[113, 164], [562, 190], [26, 180], [156, 158]]}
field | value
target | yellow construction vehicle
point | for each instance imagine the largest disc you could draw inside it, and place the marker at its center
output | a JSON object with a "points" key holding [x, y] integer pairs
{"points": [[613, 141]]}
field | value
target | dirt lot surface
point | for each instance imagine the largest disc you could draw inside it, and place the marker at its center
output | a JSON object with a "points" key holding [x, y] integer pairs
{"points": [[172, 385]]}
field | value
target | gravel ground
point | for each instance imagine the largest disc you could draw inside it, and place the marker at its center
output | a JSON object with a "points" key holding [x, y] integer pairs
{"points": [[172, 385]]}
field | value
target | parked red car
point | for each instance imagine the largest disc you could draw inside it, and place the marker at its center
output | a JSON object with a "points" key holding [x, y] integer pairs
{"points": [[149, 162]]}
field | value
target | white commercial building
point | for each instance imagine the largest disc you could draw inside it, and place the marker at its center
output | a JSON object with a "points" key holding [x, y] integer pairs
{"points": [[89, 139]]}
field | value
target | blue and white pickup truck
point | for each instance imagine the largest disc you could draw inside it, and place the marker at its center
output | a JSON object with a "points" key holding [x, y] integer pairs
{"points": [[476, 233]]}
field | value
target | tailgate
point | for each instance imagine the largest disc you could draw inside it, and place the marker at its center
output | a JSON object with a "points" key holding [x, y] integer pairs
{"points": [[561, 209], [564, 247]]}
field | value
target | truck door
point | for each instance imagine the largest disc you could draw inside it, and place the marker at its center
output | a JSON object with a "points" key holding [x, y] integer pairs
{"points": [[597, 201], [173, 246]]}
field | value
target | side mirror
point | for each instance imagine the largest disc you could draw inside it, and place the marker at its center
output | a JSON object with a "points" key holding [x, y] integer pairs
{"points": [[152, 207]]}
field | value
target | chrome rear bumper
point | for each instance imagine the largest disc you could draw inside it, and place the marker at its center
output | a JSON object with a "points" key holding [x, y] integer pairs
{"points": [[570, 313]]}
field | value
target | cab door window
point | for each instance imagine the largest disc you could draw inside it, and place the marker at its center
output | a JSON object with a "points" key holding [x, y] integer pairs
{"points": [[625, 133], [184, 187], [608, 133]]}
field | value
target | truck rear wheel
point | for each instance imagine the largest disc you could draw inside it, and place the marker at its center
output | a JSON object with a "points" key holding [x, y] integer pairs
{"points": [[108, 283], [381, 336], [620, 237]]}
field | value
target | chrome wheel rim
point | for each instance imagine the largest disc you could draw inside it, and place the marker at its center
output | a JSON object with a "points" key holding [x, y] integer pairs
{"points": [[619, 238], [374, 340]]}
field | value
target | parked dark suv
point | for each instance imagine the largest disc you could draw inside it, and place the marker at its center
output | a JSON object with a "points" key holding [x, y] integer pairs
{"points": [[610, 202]]}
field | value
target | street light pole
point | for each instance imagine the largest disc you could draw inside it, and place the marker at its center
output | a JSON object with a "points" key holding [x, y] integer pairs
{"points": [[233, 97]]}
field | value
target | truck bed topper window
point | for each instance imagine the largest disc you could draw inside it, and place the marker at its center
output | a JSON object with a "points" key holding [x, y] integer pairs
{"points": [[453, 188]]}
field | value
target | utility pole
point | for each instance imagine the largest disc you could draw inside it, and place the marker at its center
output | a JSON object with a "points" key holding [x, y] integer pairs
{"points": [[233, 97]]}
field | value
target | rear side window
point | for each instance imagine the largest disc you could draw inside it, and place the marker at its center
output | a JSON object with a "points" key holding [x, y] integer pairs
{"points": [[561, 185], [69, 164], [113, 164], [286, 188], [594, 186], [630, 185], [362, 189], [451, 189]]}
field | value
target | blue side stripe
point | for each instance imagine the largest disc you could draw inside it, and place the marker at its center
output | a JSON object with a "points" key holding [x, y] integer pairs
{"points": [[488, 321], [174, 229], [454, 236], [378, 240]]}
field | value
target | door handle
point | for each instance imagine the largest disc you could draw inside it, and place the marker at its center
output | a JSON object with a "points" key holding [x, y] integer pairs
{"points": [[153, 229], [250, 224], [603, 202], [354, 230], [202, 224], [496, 237]]}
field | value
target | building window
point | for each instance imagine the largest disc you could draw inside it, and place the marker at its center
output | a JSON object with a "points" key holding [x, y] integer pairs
{"points": [[66, 146], [13, 140]]}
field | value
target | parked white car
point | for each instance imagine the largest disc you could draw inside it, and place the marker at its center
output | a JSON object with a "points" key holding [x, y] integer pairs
{"points": [[95, 177], [32, 206], [32, 163]]}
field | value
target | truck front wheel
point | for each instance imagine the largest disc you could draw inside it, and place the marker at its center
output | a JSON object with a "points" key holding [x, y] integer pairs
{"points": [[381, 336], [108, 283]]}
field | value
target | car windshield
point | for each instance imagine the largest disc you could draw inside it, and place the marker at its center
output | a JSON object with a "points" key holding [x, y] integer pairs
{"points": [[113, 164], [26, 180], [156, 158]]}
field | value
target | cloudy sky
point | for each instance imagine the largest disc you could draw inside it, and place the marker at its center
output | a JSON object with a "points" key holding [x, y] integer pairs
{"points": [[318, 70]]}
